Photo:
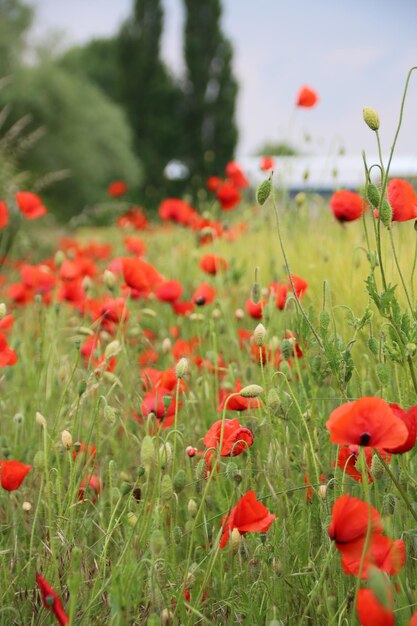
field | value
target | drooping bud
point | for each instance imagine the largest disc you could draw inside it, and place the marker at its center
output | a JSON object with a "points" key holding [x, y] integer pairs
{"points": [[259, 335], [235, 539], [181, 368], [371, 118], [66, 439], [192, 507], [180, 479], [166, 488], [263, 192], [112, 349], [109, 279], [165, 454], [251, 391], [373, 195]]}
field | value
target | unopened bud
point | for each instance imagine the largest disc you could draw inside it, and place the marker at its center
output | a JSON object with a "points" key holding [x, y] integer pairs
{"points": [[239, 314], [26, 506], [66, 439], [3, 310], [385, 213], [165, 454], [112, 349], [147, 451], [371, 118], [181, 368], [40, 420], [251, 391], [109, 279], [191, 451], [263, 192], [286, 348], [132, 519], [235, 539], [166, 345], [377, 467], [166, 488], [59, 258], [167, 617], [373, 195], [192, 507], [157, 542], [259, 335], [179, 481], [322, 491], [86, 283]]}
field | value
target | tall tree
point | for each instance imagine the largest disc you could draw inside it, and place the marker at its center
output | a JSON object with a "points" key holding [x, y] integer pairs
{"points": [[152, 99], [15, 19], [211, 90]]}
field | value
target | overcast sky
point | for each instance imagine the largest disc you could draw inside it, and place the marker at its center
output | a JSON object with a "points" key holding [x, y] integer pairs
{"points": [[353, 52]]}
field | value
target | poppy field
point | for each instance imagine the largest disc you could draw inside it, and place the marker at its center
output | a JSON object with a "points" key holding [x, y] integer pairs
{"points": [[209, 415]]}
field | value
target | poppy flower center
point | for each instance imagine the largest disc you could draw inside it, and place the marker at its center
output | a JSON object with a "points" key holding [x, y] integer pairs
{"points": [[365, 438], [200, 301]]}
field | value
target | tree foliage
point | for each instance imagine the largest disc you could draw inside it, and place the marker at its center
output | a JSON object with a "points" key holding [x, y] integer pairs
{"points": [[15, 19], [211, 90], [85, 134]]}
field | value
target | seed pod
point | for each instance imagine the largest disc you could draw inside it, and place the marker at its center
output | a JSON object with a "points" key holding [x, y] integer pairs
{"points": [[157, 542], [373, 345], [324, 320], [231, 470], [192, 507], [373, 195], [377, 467], [286, 349], [200, 469], [263, 191], [371, 118], [235, 539], [147, 451]]}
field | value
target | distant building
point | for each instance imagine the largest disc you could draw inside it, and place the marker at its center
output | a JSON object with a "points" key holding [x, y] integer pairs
{"points": [[325, 174]]}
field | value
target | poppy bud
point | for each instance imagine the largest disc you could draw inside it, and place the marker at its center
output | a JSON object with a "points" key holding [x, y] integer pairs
{"points": [[87, 283], [231, 470], [259, 335], [371, 118], [373, 345], [166, 345], [147, 451], [300, 199], [40, 420], [167, 617], [26, 506], [251, 391], [322, 491], [39, 460], [109, 414], [125, 488], [179, 481], [192, 507], [165, 454], [112, 349], [109, 280], [157, 542], [373, 195], [132, 520], [263, 191], [200, 469], [166, 488], [82, 387], [286, 349], [239, 314], [235, 539], [386, 213], [177, 533], [66, 439], [59, 258], [140, 471], [377, 467], [181, 368], [388, 505], [3, 310], [190, 451]]}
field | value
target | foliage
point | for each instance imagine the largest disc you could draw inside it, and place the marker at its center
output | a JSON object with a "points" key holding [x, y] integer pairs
{"points": [[211, 90], [277, 149], [15, 19], [85, 136]]}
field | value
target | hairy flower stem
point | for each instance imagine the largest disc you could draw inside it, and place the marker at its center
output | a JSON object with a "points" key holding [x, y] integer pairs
{"points": [[397, 484]]}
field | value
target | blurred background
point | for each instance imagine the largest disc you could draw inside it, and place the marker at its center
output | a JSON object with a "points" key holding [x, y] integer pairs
{"points": [[163, 93]]}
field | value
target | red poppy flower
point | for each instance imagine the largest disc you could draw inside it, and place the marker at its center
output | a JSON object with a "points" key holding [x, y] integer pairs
{"points": [[306, 97], [7, 322], [255, 310], [51, 601], [280, 290], [169, 291], [204, 294], [212, 264], [371, 612], [4, 214], [267, 163], [84, 452], [213, 182], [382, 552], [227, 195], [402, 199], [413, 620], [92, 485], [30, 205], [184, 348], [300, 285], [183, 308], [367, 422], [248, 516], [177, 210], [347, 206], [117, 189], [12, 474], [8, 356], [233, 432], [350, 518], [410, 420], [133, 218], [135, 245], [236, 175]]}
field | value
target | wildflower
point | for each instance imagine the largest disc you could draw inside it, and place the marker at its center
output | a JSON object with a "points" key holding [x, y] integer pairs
{"points": [[409, 418], [234, 437], [235, 402], [30, 205], [93, 485], [369, 422], [267, 163], [348, 457], [255, 310], [8, 356], [371, 612], [204, 294], [306, 97], [236, 175], [51, 601], [213, 264], [347, 206], [227, 195], [249, 515], [12, 474], [402, 199], [117, 188], [350, 519], [169, 291], [213, 182], [4, 214]]}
